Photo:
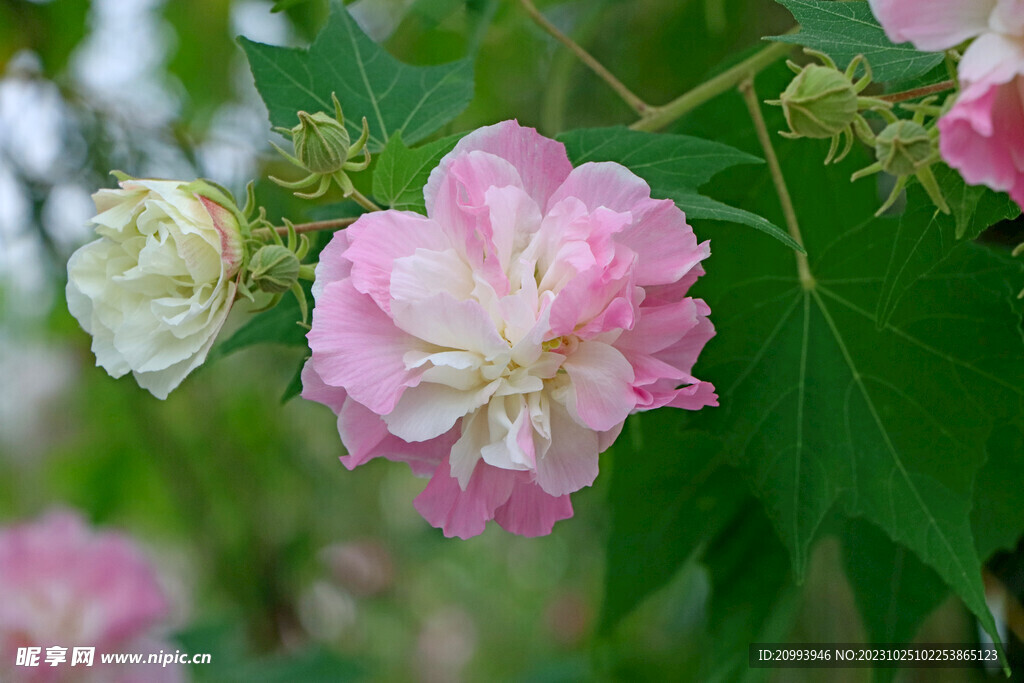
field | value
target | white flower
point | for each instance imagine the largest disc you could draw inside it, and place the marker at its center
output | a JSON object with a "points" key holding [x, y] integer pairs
{"points": [[156, 287]]}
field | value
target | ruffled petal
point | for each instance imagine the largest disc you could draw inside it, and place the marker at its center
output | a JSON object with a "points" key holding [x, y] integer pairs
{"points": [[932, 25], [465, 513]]}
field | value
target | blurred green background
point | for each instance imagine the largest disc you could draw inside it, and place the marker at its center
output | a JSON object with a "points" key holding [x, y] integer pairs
{"points": [[281, 563]]}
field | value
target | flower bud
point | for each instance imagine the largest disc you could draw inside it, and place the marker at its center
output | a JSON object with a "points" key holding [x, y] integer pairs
{"points": [[274, 268], [321, 142], [819, 103], [903, 148]]}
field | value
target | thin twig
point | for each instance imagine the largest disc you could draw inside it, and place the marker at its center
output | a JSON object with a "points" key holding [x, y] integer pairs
{"points": [[659, 117], [332, 224], [363, 201], [754, 105], [627, 95], [917, 92]]}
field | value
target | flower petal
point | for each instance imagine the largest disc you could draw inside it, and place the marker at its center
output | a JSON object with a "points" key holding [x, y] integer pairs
{"points": [[602, 382], [542, 163], [464, 513], [570, 462], [532, 512], [378, 239], [932, 25], [356, 345]]}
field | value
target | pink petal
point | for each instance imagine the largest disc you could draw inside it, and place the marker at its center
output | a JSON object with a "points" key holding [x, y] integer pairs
{"points": [[593, 302], [932, 25], [357, 346], [531, 512], [658, 327], [604, 183], [364, 434], [314, 389], [602, 382], [663, 241], [460, 204], [571, 461], [378, 238], [695, 397], [464, 513], [683, 354], [333, 265], [983, 136], [541, 162]]}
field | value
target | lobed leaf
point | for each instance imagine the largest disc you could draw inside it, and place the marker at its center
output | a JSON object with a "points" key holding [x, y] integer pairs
{"points": [[824, 404], [401, 172], [395, 97], [925, 236], [844, 30], [670, 493]]}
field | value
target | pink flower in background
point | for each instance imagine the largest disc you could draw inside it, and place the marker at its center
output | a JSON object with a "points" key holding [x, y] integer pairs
{"points": [[983, 135], [63, 584], [499, 344]]}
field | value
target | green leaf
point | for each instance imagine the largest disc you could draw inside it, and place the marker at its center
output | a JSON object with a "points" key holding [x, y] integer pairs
{"points": [[822, 405], [844, 30], [279, 325], [666, 480], [665, 161], [753, 598], [230, 663], [697, 206], [294, 387], [401, 172], [925, 236], [893, 589], [673, 165], [394, 97], [998, 514]]}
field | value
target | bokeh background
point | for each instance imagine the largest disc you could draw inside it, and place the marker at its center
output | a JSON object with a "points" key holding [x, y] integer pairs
{"points": [[281, 563]]}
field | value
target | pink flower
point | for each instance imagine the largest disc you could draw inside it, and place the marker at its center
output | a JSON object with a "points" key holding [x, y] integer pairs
{"points": [[67, 586], [983, 135], [499, 344]]}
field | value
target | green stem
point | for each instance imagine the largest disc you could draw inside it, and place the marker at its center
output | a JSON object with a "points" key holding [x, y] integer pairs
{"points": [[659, 117], [754, 105], [917, 92], [363, 201], [637, 104], [300, 228]]}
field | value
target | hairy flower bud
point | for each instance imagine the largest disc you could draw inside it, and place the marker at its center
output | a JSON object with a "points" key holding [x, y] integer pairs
{"points": [[819, 102], [903, 147], [321, 142], [274, 268]]}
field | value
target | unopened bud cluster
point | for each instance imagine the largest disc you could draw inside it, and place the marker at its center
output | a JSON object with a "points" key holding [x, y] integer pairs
{"points": [[824, 102], [323, 148], [907, 148]]}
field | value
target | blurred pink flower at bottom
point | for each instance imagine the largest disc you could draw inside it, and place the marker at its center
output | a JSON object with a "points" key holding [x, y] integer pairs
{"points": [[66, 585]]}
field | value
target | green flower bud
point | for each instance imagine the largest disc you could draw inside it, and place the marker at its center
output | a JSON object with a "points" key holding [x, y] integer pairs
{"points": [[819, 103], [904, 147], [321, 142], [274, 268]]}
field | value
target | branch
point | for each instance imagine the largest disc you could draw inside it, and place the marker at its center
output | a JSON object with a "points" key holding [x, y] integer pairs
{"points": [[637, 104]]}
